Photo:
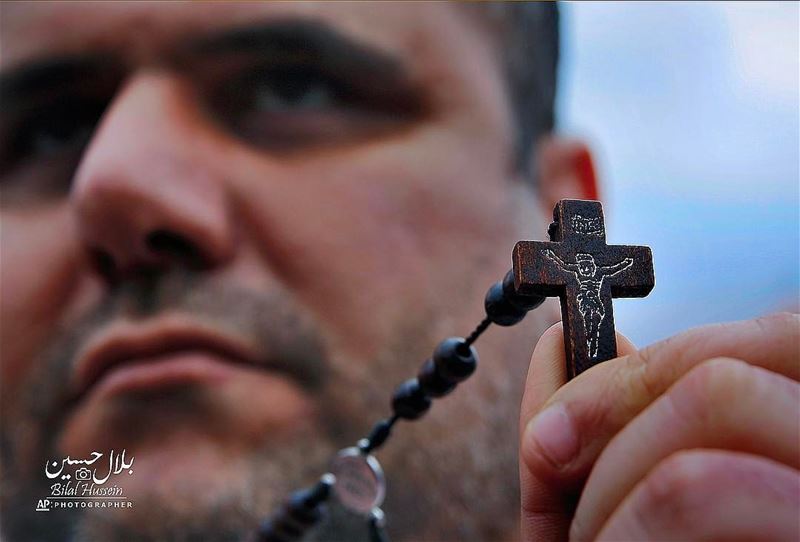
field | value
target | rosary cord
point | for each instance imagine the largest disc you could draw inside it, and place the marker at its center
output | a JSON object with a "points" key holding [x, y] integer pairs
{"points": [[485, 323], [453, 361], [380, 432]]}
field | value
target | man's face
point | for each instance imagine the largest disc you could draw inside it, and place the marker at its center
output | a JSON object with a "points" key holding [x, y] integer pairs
{"points": [[228, 232]]}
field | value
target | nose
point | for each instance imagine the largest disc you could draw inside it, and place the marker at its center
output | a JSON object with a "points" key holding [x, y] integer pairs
{"points": [[147, 193]]}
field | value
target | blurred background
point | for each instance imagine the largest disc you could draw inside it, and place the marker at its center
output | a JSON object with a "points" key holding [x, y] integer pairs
{"points": [[692, 110]]}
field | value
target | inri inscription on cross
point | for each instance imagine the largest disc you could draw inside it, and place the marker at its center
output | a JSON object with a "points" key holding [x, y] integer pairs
{"points": [[578, 266]]}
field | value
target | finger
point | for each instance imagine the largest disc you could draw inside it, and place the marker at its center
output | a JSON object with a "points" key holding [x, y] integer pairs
{"points": [[547, 371], [710, 495], [723, 403], [546, 510], [598, 403], [601, 401]]}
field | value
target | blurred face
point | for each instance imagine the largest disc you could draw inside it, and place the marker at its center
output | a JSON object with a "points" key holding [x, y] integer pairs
{"points": [[228, 232]]}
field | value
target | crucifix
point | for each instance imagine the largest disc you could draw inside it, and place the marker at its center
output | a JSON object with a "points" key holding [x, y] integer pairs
{"points": [[578, 266]]}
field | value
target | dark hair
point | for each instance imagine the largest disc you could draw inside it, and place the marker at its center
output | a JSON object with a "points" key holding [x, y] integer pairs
{"points": [[527, 34]]}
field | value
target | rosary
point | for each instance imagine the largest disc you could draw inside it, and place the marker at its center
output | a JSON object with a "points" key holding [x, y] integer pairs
{"points": [[576, 265]]}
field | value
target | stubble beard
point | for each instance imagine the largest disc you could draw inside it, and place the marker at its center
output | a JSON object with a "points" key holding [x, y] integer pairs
{"points": [[436, 468]]}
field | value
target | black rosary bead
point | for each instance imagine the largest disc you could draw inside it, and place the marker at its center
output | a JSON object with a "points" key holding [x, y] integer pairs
{"points": [[300, 513], [267, 532], [524, 302], [409, 400], [380, 432], [280, 528], [500, 309], [304, 507], [455, 360], [432, 382]]}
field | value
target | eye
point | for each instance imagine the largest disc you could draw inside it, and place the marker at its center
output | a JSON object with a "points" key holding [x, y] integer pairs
{"points": [[41, 147], [62, 126], [296, 106], [294, 89]]}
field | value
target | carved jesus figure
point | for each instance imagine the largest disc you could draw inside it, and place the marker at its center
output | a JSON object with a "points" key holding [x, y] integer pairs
{"points": [[590, 278]]}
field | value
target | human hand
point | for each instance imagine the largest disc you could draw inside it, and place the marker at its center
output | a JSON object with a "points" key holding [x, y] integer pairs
{"points": [[693, 437]]}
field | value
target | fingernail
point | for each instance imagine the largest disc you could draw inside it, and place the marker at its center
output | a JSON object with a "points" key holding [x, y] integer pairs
{"points": [[554, 434]]}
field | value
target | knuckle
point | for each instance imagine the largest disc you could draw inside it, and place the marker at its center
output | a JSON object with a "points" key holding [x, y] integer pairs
{"points": [[720, 379], [780, 321], [663, 363], [779, 326], [629, 376], [673, 476], [708, 389], [719, 375], [679, 488], [650, 379], [665, 360]]}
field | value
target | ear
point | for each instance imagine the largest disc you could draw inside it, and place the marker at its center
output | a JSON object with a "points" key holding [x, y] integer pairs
{"points": [[564, 169]]}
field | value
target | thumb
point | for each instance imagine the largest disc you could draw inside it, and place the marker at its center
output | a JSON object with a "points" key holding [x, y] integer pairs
{"points": [[547, 507]]}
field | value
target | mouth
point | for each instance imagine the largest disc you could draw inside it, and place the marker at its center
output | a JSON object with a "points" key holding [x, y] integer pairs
{"points": [[136, 357]]}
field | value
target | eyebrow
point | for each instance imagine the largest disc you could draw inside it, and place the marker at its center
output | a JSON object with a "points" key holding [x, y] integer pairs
{"points": [[306, 38], [43, 75], [288, 38]]}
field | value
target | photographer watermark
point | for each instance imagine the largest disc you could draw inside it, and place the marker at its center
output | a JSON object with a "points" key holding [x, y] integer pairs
{"points": [[86, 483]]}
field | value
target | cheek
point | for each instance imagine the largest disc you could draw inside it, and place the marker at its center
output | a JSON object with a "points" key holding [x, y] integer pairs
{"points": [[38, 269], [375, 237]]}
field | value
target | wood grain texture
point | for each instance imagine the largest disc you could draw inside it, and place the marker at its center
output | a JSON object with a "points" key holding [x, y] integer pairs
{"points": [[586, 273]]}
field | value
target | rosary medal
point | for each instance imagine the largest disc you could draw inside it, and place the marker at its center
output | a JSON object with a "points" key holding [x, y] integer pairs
{"points": [[360, 486]]}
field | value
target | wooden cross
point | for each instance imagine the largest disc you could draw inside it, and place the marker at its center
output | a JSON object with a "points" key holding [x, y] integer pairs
{"points": [[578, 266]]}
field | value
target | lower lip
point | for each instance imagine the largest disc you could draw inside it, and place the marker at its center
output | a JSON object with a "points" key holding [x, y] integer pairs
{"points": [[164, 371]]}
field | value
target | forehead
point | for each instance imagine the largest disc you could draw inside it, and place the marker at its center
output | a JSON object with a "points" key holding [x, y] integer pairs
{"points": [[33, 29]]}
